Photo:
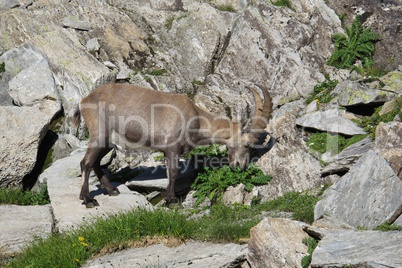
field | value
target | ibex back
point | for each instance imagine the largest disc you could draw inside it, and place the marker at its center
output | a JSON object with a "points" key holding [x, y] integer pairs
{"points": [[167, 122]]}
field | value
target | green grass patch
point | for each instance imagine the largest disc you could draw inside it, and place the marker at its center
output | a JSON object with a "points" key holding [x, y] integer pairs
{"points": [[212, 183], [300, 204], [2, 67], [21, 197], [157, 72], [322, 91], [386, 227], [325, 142], [312, 244], [282, 3]]}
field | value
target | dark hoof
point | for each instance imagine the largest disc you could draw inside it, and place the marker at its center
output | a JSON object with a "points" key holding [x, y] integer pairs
{"points": [[171, 200], [91, 204], [114, 192]]}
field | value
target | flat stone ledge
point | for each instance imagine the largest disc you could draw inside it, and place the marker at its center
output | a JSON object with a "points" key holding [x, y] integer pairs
{"points": [[21, 224], [190, 254]]}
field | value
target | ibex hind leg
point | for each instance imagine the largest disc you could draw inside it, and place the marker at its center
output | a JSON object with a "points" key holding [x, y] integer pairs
{"points": [[104, 180], [86, 165]]}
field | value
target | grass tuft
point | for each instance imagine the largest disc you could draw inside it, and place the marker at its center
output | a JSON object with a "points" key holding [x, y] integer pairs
{"points": [[21, 197]]}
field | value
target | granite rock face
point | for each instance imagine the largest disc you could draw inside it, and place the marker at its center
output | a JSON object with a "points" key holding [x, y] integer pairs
{"points": [[367, 196], [277, 243]]}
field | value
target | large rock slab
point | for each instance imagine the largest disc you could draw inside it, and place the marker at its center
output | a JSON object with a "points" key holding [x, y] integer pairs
{"points": [[64, 186], [330, 121], [21, 224], [349, 248], [277, 242], [368, 195], [189, 254]]}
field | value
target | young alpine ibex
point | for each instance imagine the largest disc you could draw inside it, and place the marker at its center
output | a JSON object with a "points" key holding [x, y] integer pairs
{"points": [[167, 122]]}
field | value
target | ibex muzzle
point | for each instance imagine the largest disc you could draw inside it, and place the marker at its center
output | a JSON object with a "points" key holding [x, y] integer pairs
{"points": [[167, 122]]}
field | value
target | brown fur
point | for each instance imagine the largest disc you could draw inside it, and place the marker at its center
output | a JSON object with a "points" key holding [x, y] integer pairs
{"points": [[163, 121]]}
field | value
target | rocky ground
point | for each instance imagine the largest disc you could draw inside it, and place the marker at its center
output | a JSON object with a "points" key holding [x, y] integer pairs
{"points": [[55, 52]]}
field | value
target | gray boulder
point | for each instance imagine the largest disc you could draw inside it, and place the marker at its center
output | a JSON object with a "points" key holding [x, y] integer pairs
{"points": [[22, 132], [277, 242], [29, 82], [28, 77], [330, 121], [367, 196]]}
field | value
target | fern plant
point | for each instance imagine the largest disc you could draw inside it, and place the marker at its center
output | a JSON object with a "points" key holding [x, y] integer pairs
{"points": [[213, 182], [357, 44]]}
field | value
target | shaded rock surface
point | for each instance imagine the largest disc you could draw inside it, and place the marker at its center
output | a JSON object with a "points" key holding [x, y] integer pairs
{"points": [[189, 254]]}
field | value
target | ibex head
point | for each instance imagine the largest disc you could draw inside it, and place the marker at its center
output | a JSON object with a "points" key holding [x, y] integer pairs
{"points": [[240, 145]]}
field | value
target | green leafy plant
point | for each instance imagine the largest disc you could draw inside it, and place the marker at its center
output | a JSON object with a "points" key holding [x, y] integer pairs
{"points": [[357, 44], [322, 91], [311, 243], [212, 183], [322, 142]]}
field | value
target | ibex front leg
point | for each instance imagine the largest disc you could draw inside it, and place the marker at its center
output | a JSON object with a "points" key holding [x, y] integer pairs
{"points": [[172, 168]]}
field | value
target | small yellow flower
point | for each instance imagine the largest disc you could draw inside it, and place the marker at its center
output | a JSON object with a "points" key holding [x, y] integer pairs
{"points": [[81, 238], [84, 244], [77, 260]]}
